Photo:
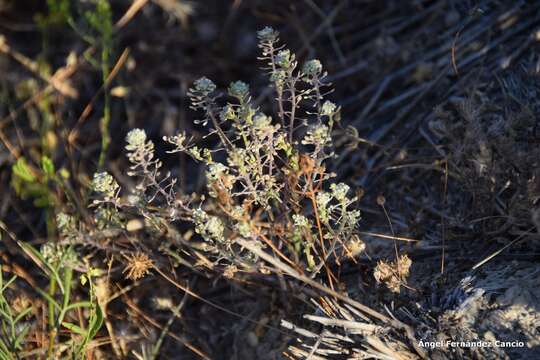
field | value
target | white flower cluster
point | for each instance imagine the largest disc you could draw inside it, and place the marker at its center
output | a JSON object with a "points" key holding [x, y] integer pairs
{"points": [[140, 151], [64, 221], [312, 68], [284, 58], [67, 225], [204, 85], [318, 135], [267, 34], [105, 184], [135, 139], [300, 221], [339, 191], [218, 177], [322, 199], [328, 108], [348, 218], [211, 228], [239, 90]]}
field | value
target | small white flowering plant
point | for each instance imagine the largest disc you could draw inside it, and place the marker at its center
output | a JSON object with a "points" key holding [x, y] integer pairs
{"points": [[266, 179]]}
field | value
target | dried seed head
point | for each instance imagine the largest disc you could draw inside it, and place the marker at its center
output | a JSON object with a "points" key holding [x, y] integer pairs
{"points": [[403, 266], [20, 303], [384, 273], [230, 270], [393, 274], [355, 246], [138, 266]]}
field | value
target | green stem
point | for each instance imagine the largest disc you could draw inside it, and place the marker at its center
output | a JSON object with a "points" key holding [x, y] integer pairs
{"points": [[106, 119], [52, 327]]}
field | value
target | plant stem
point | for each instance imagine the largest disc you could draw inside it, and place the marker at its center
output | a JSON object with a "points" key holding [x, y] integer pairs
{"points": [[52, 326]]}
